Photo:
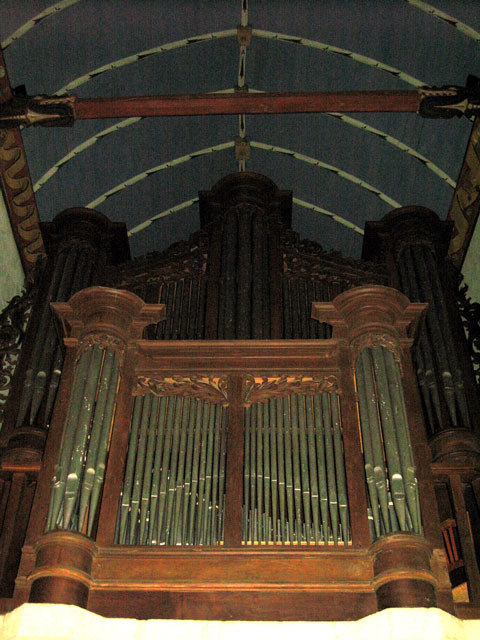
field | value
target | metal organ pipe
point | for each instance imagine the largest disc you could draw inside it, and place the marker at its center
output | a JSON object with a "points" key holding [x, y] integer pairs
{"points": [[392, 487], [294, 477], [79, 472], [437, 350], [173, 487], [72, 271]]}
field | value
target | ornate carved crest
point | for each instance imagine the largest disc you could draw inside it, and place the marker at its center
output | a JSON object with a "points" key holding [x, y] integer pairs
{"points": [[210, 389], [307, 259], [258, 389], [470, 313]]}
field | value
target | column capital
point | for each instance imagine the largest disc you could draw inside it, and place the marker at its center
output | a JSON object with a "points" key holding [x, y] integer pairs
{"points": [[87, 227], [108, 317], [366, 316], [406, 226]]}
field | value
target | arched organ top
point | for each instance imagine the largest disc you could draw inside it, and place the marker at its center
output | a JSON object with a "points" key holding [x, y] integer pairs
{"points": [[245, 274]]}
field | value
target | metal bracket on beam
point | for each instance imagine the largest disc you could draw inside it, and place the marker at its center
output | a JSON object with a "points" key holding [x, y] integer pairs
{"points": [[242, 148], [244, 34], [448, 102], [37, 110]]}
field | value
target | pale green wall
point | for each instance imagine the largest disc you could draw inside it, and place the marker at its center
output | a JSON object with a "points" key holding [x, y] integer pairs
{"points": [[11, 271]]}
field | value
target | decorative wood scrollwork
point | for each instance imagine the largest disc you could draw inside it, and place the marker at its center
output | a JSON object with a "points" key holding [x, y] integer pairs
{"points": [[186, 259], [370, 340], [258, 389], [307, 259], [103, 340], [19, 193], [13, 321], [470, 313], [210, 389]]}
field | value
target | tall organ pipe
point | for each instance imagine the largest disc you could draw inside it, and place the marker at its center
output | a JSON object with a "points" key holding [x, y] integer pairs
{"points": [[434, 327], [448, 336], [228, 288], [244, 276], [71, 272], [386, 442], [423, 353], [258, 277], [80, 467], [392, 450]]}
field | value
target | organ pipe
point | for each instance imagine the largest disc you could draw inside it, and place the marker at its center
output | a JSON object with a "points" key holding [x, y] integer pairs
{"points": [[389, 467], [72, 271], [294, 476], [79, 472], [173, 487]]}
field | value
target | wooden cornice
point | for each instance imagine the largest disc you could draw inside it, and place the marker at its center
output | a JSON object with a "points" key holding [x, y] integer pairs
{"points": [[227, 356]]}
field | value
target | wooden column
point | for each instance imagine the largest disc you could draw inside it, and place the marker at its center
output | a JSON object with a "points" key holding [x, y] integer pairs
{"points": [[112, 319], [366, 317]]}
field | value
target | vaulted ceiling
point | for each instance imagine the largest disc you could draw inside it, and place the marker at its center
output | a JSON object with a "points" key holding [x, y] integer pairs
{"points": [[343, 169]]}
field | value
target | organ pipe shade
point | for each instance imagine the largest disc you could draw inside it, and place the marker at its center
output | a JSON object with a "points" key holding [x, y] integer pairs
{"points": [[294, 473], [389, 467], [174, 481], [72, 271], [80, 469]]}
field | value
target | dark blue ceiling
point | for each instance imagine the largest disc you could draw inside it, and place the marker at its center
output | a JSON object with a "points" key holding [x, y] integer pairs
{"points": [[375, 173]]}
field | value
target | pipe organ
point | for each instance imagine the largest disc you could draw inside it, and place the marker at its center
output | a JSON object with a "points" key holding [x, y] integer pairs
{"points": [[244, 426]]}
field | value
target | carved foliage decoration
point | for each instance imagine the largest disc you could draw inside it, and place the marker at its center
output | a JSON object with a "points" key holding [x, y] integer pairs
{"points": [[211, 389], [307, 259], [102, 340], [465, 205], [181, 260], [370, 340], [13, 321], [19, 193], [258, 389]]}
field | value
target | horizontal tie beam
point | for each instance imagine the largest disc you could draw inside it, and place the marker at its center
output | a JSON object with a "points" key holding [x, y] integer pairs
{"points": [[445, 102], [216, 104]]}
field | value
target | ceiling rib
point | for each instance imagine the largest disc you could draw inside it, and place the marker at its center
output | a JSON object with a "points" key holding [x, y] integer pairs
{"points": [[444, 17], [255, 144], [25, 28], [354, 122], [188, 203], [228, 33], [141, 55], [346, 53], [165, 165], [328, 167]]}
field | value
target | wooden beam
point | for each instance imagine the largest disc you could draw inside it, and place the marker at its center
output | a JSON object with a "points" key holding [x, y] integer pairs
{"points": [[17, 188], [465, 206], [243, 102]]}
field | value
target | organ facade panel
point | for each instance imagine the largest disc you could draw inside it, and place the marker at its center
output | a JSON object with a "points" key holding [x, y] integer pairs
{"points": [[242, 419]]}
